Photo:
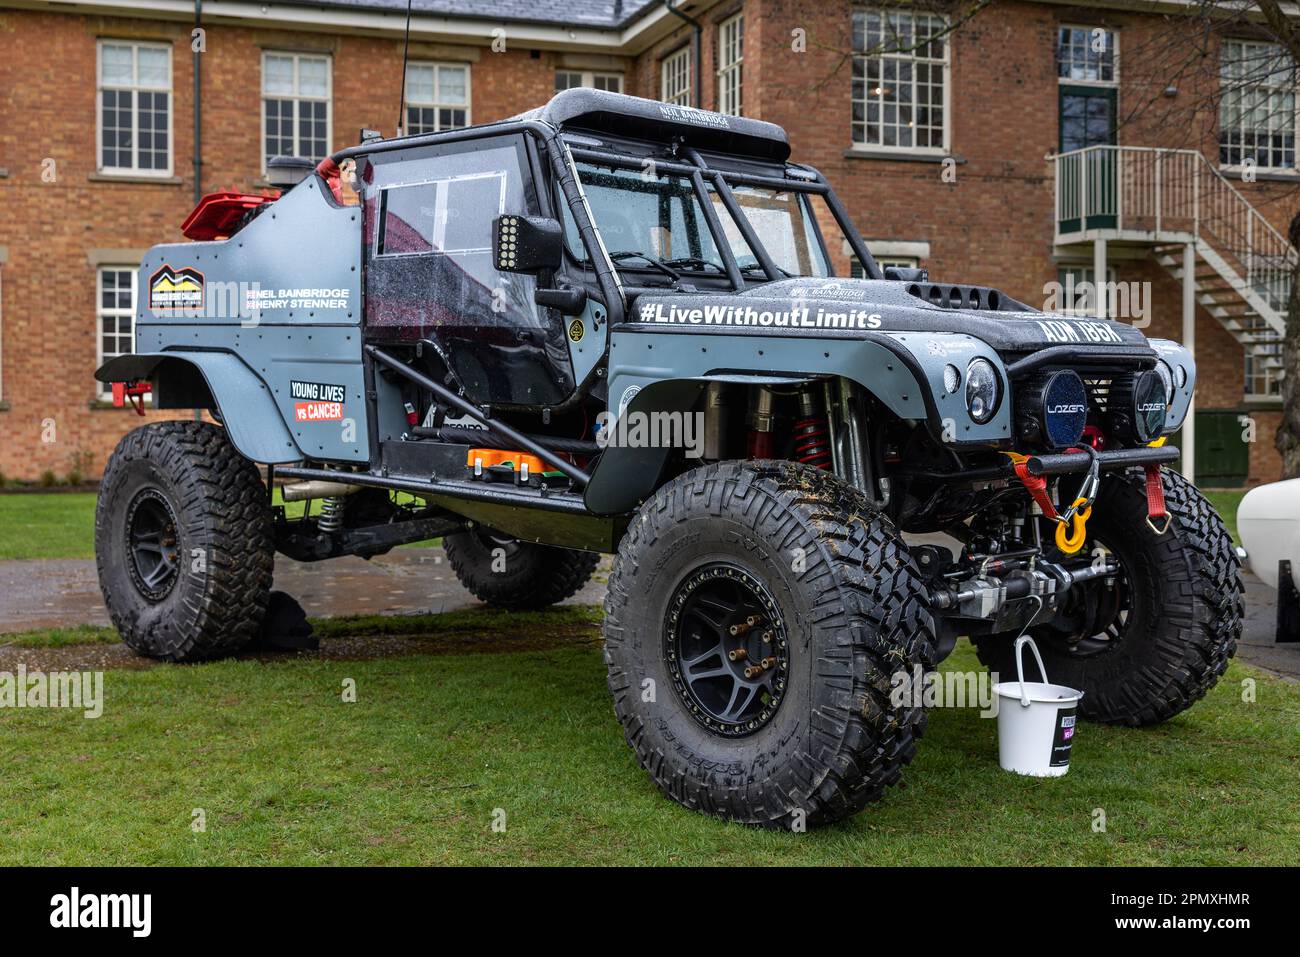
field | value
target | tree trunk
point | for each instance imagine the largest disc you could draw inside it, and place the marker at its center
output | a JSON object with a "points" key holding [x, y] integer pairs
{"points": [[1288, 430]]}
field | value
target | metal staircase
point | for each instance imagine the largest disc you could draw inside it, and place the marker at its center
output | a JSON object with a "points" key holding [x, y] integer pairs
{"points": [[1168, 199]]}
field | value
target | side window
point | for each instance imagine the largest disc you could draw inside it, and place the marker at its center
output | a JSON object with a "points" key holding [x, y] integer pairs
{"points": [[441, 209], [430, 276]]}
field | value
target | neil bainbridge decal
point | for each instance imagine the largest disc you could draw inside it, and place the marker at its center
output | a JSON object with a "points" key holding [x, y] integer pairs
{"points": [[175, 290], [323, 402]]}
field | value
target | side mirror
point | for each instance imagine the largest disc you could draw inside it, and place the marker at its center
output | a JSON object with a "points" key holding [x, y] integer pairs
{"points": [[527, 244], [907, 273]]}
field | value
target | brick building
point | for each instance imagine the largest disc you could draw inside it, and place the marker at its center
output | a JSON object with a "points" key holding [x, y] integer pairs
{"points": [[991, 153]]}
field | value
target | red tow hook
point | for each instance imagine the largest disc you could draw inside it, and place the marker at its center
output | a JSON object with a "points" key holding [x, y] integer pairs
{"points": [[134, 392]]}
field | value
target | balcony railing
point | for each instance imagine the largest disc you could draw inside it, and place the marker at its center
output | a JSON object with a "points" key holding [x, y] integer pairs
{"points": [[1162, 195]]}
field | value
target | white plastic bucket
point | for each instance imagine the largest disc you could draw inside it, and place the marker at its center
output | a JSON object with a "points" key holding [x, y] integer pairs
{"points": [[1036, 720]]}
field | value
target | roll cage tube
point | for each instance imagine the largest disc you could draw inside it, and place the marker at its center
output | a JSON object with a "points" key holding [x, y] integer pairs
{"points": [[697, 168]]}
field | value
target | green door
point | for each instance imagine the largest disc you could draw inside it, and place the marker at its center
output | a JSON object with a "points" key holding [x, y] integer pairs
{"points": [[1222, 455], [1087, 118]]}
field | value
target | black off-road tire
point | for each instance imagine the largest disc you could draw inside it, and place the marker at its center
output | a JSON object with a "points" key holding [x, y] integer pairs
{"points": [[855, 613], [526, 577], [1186, 614], [213, 602]]}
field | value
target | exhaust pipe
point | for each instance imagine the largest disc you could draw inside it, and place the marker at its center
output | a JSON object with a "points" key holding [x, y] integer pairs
{"points": [[301, 491]]}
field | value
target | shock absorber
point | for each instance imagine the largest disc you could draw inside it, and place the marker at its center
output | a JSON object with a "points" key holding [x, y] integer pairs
{"points": [[812, 438], [331, 513], [759, 445]]}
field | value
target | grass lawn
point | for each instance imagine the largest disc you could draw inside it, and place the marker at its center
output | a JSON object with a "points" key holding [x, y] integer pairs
{"points": [[47, 525], [286, 772]]}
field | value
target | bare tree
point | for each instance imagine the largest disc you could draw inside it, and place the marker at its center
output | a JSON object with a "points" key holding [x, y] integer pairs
{"points": [[1188, 83], [1192, 83]]}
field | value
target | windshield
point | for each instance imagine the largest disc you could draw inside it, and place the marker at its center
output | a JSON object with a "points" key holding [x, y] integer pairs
{"points": [[644, 215], [783, 222], [652, 221]]}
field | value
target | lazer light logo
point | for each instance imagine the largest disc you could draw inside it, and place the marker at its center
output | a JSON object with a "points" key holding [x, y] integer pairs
{"points": [[1151, 407], [1066, 408]]}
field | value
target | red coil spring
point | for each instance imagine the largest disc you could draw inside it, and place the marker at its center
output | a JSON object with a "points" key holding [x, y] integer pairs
{"points": [[812, 443]]}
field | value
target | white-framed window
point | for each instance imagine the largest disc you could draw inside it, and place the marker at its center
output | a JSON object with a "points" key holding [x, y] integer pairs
{"points": [[574, 79], [1087, 55], [731, 62], [437, 97], [1078, 292], [1261, 380], [675, 77], [1257, 105], [135, 115], [900, 81], [295, 105], [115, 311]]}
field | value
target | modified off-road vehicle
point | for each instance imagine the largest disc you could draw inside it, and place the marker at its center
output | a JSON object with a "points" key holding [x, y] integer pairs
{"points": [[613, 325]]}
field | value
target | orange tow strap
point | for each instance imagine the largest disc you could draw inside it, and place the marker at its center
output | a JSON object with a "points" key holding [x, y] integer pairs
{"points": [[1036, 486], [1071, 528]]}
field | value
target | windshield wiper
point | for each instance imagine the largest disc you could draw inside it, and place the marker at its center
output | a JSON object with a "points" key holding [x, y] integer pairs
{"points": [[654, 261], [693, 261], [751, 267]]}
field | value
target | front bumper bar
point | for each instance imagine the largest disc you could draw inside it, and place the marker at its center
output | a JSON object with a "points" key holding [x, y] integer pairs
{"points": [[1065, 463], [1057, 463]]}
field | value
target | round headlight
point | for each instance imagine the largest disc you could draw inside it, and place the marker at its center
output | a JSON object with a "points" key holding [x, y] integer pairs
{"points": [[1167, 377], [1151, 403], [982, 390]]}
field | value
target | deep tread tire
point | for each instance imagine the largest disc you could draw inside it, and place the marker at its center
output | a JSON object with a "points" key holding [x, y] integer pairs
{"points": [[220, 595], [1188, 616], [534, 576], [856, 615]]}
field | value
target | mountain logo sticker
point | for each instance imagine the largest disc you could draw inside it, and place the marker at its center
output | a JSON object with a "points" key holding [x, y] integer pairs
{"points": [[176, 290]]}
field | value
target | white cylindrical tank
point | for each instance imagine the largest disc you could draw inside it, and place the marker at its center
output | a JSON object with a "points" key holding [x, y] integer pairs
{"points": [[1268, 521]]}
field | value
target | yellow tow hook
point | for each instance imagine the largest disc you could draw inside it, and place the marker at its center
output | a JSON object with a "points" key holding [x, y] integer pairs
{"points": [[1073, 541], [1071, 528]]}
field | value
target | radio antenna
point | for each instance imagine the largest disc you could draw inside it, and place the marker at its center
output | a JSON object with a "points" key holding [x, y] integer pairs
{"points": [[406, 49]]}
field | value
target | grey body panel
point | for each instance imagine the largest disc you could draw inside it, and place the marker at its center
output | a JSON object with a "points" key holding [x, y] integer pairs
{"points": [[663, 369], [1175, 355], [290, 309], [244, 401]]}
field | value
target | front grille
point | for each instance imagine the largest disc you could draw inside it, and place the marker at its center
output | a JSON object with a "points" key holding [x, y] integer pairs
{"points": [[1098, 393]]}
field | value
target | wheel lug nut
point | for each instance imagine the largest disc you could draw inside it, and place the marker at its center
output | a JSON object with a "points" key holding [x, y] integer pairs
{"points": [[767, 637], [766, 663], [737, 654], [753, 671]]}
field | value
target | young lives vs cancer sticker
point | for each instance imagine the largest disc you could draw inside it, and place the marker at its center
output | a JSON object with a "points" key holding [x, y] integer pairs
{"points": [[172, 290], [323, 402]]}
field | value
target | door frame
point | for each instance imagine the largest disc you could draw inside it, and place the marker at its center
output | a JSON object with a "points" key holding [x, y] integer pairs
{"points": [[1109, 162]]}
